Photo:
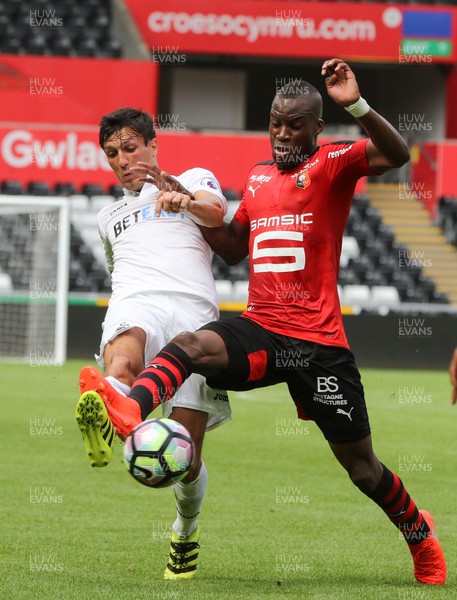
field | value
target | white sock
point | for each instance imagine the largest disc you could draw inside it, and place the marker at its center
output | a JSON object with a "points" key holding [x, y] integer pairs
{"points": [[120, 387], [189, 498]]}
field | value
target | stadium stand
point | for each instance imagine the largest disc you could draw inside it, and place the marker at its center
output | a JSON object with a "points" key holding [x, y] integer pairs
{"points": [[370, 277], [74, 29]]}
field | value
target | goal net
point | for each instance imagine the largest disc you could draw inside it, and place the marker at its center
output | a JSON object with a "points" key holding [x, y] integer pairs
{"points": [[34, 263]]}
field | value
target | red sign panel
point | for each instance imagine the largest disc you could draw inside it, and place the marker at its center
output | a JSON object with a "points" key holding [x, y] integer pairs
{"points": [[362, 31], [37, 89]]}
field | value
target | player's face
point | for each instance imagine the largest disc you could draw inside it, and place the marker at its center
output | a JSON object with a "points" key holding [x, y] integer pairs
{"points": [[293, 131], [124, 149]]}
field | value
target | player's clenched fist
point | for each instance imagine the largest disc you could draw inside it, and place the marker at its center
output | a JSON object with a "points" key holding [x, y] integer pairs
{"points": [[173, 202]]}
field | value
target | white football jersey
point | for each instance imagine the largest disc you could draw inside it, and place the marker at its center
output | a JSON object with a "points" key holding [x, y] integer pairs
{"points": [[147, 255]]}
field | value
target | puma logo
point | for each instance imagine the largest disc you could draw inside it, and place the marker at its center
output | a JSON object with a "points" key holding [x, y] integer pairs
{"points": [[340, 411], [253, 190], [399, 514]]}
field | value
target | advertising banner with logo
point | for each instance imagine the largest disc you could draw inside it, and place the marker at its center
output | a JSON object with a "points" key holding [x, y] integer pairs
{"points": [[43, 89], [357, 31], [71, 154]]}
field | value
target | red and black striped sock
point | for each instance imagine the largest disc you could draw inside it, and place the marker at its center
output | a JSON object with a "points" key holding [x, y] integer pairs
{"points": [[161, 378], [392, 497]]}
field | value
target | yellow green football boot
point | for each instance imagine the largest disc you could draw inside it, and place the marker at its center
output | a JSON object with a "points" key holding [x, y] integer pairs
{"points": [[96, 428], [182, 563]]}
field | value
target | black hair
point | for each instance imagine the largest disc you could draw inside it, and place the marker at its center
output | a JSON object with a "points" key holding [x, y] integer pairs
{"points": [[299, 88], [130, 118]]}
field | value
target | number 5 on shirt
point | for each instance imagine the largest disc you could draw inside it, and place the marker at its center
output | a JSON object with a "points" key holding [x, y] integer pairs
{"points": [[295, 252]]}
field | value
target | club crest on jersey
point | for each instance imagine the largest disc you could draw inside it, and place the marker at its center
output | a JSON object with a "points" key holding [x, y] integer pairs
{"points": [[303, 180]]}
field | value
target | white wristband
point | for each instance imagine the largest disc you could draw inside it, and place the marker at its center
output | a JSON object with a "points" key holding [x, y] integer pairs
{"points": [[359, 108]]}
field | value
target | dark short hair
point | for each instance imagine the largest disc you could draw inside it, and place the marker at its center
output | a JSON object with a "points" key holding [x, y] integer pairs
{"points": [[131, 118], [299, 88]]}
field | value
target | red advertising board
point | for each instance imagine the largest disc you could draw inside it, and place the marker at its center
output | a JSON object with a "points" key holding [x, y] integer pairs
{"points": [[71, 154], [433, 173], [358, 31], [43, 89]]}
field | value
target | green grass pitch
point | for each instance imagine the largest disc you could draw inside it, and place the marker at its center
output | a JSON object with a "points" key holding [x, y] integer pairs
{"points": [[280, 520]]}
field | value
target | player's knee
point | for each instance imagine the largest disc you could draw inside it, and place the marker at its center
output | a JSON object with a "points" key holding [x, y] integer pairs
{"points": [[124, 369], [364, 475], [190, 342]]}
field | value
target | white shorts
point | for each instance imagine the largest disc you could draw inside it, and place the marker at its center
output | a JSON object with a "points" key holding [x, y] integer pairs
{"points": [[161, 318]]}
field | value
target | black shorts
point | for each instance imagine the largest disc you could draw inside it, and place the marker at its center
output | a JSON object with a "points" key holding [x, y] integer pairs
{"points": [[323, 381]]}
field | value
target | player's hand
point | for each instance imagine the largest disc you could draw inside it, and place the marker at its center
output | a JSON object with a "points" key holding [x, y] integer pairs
{"points": [[453, 376], [149, 173], [340, 81], [174, 202]]}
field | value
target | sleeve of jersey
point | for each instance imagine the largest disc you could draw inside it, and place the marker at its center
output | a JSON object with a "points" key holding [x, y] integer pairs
{"points": [[348, 159], [106, 243], [201, 179], [241, 214]]}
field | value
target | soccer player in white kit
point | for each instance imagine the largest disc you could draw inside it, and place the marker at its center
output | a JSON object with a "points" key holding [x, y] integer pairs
{"points": [[162, 283]]}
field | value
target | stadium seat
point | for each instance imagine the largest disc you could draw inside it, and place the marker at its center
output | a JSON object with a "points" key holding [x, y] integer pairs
{"points": [[84, 220], [99, 202], [91, 238], [347, 277], [384, 298], [61, 46], [414, 295], [111, 49], [224, 290], [116, 191], [231, 195], [86, 47], [349, 250], [356, 295], [240, 291], [39, 188], [79, 202], [11, 187], [374, 278], [64, 189], [92, 189], [6, 285], [238, 272], [10, 46]]}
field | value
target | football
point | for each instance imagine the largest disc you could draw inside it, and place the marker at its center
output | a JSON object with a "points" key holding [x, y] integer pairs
{"points": [[159, 452]]}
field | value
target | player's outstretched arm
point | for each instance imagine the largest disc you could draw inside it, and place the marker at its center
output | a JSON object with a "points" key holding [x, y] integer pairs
{"points": [[453, 376], [386, 149], [230, 241], [204, 207]]}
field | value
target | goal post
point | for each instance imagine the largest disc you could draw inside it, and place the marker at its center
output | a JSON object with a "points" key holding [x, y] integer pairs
{"points": [[34, 276]]}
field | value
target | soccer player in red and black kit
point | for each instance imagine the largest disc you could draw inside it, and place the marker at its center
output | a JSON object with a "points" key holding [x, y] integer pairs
{"points": [[291, 221]]}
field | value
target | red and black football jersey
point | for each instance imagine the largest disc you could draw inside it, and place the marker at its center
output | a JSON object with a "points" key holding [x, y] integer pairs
{"points": [[297, 219]]}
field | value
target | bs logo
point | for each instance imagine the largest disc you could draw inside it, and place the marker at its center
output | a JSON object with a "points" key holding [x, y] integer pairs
{"points": [[327, 384]]}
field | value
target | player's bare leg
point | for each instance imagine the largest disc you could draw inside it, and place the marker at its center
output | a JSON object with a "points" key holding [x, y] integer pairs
{"points": [[386, 489], [189, 494], [124, 359]]}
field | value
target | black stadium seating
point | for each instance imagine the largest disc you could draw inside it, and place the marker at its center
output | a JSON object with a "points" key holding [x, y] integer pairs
{"points": [[375, 264], [78, 28]]}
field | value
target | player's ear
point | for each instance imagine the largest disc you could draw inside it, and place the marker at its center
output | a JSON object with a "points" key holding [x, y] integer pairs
{"points": [[319, 127], [153, 146]]}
